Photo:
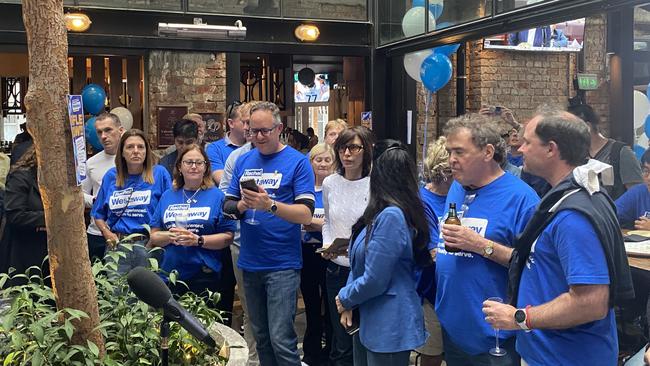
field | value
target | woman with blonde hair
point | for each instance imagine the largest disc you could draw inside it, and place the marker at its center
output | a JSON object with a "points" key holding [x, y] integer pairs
{"points": [[438, 176], [128, 197]]}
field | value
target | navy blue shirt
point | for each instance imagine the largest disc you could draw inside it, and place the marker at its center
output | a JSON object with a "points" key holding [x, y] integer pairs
{"points": [[633, 204]]}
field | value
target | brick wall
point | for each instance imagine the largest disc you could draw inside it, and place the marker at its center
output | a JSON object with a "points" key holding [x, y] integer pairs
{"points": [[194, 79]]}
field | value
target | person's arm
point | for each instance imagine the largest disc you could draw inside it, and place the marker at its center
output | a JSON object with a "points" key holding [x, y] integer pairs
{"points": [[216, 176], [316, 225], [187, 238], [629, 168], [87, 188], [226, 177], [625, 209], [299, 212], [468, 240], [160, 238], [388, 239], [19, 187], [111, 237], [327, 224]]}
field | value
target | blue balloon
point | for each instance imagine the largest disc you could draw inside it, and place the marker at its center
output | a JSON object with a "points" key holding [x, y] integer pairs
{"points": [[647, 91], [418, 3], [91, 135], [647, 126], [93, 97], [442, 25], [436, 10], [447, 50], [436, 71], [638, 151]]}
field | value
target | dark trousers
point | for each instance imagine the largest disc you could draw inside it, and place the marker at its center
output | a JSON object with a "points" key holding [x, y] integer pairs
{"points": [[341, 347], [96, 247], [227, 286], [314, 294], [455, 356], [198, 284]]}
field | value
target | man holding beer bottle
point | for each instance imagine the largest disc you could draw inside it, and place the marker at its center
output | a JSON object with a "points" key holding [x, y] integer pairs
{"points": [[492, 205]]}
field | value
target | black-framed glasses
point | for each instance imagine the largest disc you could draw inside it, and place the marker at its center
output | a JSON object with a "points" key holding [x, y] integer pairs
{"points": [[197, 163], [264, 131], [231, 109], [353, 148], [645, 172]]}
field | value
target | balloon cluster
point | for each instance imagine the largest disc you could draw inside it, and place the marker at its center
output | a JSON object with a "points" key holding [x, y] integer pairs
{"points": [[94, 100], [641, 121], [431, 67]]}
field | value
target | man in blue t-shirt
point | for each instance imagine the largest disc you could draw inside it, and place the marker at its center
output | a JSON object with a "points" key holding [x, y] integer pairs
{"points": [[219, 151], [270, 254], [471, 259], [563, 311], [633, 207]]}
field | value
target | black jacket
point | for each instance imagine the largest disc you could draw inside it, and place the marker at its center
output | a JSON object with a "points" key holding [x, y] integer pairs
{"points": [[601, 212]]}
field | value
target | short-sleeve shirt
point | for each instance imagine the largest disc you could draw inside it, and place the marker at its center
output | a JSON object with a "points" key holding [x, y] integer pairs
{"points": [[204, 218], [498, 211], [274, 244], [219, 151], [434, 209], [629, 168], [633, 204], [125, 209], [568, 252], [316, 237]]}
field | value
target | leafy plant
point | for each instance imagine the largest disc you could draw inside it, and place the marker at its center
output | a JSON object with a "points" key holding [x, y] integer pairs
{"points": [[34, 332]]}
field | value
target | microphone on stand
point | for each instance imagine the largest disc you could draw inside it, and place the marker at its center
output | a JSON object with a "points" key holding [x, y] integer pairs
{"points": [[148, 287]]}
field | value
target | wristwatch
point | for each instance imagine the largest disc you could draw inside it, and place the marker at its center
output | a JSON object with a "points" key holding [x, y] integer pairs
{"points": [[200, 241], [520, 319], [274, 208], [489, 249]]}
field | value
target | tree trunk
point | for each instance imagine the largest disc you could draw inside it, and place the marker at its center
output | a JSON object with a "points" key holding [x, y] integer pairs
{"points": [[48, 123]]}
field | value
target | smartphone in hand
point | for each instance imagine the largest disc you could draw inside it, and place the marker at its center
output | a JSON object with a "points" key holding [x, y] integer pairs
{"points": [[249, 183]]}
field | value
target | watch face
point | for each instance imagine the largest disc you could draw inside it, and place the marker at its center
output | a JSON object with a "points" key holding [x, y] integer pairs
{"points": [[520, 316]]}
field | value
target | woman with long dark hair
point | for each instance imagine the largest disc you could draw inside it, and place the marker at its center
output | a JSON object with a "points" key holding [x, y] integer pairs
{"points": [[389, 244]]}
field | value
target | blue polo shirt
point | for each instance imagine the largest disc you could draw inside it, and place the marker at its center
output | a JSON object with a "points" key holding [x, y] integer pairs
{"points": [[633, 204], [568, 252], [125, 209], [219, 151], [204, 218], [498, 211], [274, 244]]}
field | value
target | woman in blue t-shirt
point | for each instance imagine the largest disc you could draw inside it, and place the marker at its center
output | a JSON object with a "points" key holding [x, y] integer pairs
{"points": [[128, 196], [389, 243], [312, 275], [188, 223]]}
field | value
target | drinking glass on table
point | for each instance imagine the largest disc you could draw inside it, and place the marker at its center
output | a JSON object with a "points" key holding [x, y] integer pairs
{"points": [[497, 351]]}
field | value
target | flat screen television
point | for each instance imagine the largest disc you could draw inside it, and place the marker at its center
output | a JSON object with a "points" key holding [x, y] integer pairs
{"points": [[559, 37], [319, 91]]}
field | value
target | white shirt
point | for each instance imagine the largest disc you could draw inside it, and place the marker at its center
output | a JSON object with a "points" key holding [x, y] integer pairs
{"points": [[96, 167], [344, 202]]}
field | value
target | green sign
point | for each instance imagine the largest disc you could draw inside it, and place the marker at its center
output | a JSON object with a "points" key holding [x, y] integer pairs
{"points": [[587, 81]]}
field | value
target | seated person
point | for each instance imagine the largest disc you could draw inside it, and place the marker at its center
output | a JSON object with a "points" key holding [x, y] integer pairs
{"points": [[633, 207]]}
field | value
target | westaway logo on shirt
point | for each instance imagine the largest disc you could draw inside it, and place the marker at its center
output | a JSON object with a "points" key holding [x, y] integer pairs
{"points": [[120, 199], [193, 213], [319, 213], [478, 225], [266, 180]]}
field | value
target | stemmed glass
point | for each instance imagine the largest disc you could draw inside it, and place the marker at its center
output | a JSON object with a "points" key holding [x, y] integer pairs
{"points": [[251, 220], [181, 219], [497, 351]]}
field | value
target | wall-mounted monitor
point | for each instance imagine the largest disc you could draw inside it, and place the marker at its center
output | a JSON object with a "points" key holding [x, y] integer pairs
{"points": [[319, 91], [559, 37]]}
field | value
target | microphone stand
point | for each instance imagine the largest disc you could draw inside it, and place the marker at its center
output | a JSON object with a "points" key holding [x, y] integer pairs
{"points": [[164, 341]]}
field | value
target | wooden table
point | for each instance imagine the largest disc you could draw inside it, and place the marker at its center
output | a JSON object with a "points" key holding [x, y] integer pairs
{"points": [[636, 261]]}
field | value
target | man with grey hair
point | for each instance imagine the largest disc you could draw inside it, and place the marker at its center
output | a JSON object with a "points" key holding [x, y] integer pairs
{"points": [[109, 130], [271, 209], [471, 259], [569, 266]]}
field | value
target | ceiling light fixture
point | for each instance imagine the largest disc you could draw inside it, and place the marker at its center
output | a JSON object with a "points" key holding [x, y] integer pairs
{"points": [[202, 30], [307, 32], [77, 22]]}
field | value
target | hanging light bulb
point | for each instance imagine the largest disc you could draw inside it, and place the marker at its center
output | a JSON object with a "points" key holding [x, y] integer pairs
{"points": [[77, 22], [307, 32]]}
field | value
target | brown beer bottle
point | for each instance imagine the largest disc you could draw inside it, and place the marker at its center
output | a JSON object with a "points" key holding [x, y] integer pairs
{"points": [[452, 219]]}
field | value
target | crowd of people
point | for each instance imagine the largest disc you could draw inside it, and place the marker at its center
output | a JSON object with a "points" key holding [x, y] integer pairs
{"points": [[538, 256]]}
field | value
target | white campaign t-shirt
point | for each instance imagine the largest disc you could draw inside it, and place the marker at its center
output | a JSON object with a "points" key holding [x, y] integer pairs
{"points": [[96, 168]]}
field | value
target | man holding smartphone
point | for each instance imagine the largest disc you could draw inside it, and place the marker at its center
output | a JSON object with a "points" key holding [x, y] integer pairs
{"points": [[270, 254]]}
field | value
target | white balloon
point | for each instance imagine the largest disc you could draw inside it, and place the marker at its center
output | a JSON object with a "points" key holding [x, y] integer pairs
{"points": [[413, 21], [642, 140], [125, 116], [413, 63], [641, 108]]}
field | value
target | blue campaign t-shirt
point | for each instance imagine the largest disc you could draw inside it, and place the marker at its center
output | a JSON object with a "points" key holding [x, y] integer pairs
{"points": [[633, 204], [203, 218], [434, 209], [125, 209], [516, 160], [286, 176], [319, 213], [568, 252], [498, 211], [218, 153]]}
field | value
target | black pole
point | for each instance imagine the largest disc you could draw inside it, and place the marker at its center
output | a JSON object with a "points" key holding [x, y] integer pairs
{"points": [[461, 79], [164, 342]]}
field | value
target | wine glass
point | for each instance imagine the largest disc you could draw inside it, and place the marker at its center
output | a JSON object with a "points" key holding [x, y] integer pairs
{"points": [[181, 219], [497, 351], [251, 220]]}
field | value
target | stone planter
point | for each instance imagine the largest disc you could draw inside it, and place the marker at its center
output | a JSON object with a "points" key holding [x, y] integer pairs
{"points": [[231, 344]]}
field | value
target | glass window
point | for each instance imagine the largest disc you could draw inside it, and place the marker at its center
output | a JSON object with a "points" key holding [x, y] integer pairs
{"points": [[135, 4], [508, 5], [398, 20], [330, 9], [236, 7]]}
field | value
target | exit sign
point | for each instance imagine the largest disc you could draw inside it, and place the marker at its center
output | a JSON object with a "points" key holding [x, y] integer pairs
{"points": [[587, 81]]}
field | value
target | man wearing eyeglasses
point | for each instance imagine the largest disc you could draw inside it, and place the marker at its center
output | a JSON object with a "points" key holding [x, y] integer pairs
{"points": [[633, 207], [186, 133], [270, 254], [234, 138]]}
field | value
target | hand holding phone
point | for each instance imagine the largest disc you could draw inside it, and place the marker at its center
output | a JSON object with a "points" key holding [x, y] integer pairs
{"points": [[249, 183]]}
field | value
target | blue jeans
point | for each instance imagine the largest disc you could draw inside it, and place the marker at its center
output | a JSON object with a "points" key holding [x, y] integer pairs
{"points": [[138, 256], [365, 357], [271, 298], [336, 277], [455, 356]]}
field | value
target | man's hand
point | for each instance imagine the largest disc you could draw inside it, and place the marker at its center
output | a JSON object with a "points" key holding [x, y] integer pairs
{"points": [[500, 316], [646, 357], [256, 200], [346, 318], [463, 238], [339, 307], [643, 223]]}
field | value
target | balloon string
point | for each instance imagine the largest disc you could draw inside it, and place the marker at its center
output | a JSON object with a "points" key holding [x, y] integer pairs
{"points": [[426, 124]]}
